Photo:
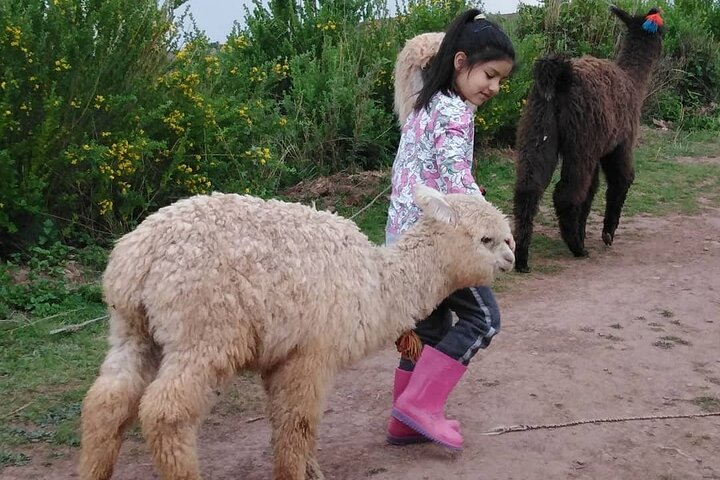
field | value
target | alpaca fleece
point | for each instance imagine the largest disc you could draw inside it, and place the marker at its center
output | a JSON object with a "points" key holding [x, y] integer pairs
{"points": [[213, 285]]}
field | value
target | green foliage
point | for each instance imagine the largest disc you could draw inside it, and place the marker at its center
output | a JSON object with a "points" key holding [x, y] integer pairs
{"points": [[109, 111]]}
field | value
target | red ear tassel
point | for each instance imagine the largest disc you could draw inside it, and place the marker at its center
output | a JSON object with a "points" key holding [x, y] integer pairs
{"points": [[656, 19]]}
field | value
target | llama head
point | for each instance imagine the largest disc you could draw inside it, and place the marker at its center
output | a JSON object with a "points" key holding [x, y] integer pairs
{"points": [[646, 30], [475, 234]]}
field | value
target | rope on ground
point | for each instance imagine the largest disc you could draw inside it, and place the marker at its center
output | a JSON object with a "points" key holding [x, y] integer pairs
{"points": [[371, 202], [525, 428], [78, 326]]}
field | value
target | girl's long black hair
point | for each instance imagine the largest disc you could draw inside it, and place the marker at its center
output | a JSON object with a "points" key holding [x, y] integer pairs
{"points": [[480, 39]]}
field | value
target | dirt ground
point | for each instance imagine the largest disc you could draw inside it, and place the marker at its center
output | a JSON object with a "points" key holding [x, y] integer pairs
{"points": [[632, 331]]}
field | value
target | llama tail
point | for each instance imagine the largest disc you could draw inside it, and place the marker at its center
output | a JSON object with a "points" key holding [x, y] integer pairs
{"points": [[552, 75], [410, 66], [538, 141], [112, 402]]}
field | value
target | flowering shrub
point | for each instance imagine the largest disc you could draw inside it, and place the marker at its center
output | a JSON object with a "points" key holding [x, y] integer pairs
{"points": [[108, 111]]}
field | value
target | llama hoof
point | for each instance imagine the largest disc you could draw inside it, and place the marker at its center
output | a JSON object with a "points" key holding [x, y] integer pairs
{"points": [[607, 238], [580, 253], [522, 268]]}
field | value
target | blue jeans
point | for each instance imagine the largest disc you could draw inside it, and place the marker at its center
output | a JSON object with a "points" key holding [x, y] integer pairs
{"points": [[478, 321]]}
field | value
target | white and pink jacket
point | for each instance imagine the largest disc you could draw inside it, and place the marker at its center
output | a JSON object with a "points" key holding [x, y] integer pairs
{"points": [[436, 149]]}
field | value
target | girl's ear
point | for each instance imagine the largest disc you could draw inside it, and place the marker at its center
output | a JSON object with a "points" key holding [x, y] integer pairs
{"points": [[460, 61]]}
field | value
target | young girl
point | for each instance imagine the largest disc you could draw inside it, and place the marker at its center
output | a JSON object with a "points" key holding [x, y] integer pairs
{"points": [[436, 149]]}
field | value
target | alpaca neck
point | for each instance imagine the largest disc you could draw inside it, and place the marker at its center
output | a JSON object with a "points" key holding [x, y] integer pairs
{"points": [[637, 63], [414, 280]]}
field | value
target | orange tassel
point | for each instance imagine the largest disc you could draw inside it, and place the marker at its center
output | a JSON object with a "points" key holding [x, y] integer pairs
{"points": [[409, 345], [656, 19]]}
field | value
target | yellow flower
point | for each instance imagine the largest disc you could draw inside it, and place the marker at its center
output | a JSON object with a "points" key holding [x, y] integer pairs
{"points": [[283, 121], [61, 64], [106, 206]]}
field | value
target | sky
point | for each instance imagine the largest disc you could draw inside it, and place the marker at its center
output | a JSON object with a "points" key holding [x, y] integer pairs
{"points": [[216, 17]]}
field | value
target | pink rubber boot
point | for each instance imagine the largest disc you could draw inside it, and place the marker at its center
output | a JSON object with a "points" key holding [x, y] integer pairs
{"points": [[398, 433], [421, 405]]}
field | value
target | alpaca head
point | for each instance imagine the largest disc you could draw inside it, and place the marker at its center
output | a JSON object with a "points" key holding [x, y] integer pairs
{"points": [[644, 31], [475, 234]]}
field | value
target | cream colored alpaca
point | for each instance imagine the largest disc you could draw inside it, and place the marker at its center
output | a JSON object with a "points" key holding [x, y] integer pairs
{"points": [[212, 285], [411, 61]]}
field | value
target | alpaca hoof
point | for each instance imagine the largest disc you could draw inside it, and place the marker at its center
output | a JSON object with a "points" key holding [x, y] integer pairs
{"points": [[607, 238], [312, 470], [581, 253]]}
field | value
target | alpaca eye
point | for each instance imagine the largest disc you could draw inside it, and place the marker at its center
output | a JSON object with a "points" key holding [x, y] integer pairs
{"points": [[486, 240]]}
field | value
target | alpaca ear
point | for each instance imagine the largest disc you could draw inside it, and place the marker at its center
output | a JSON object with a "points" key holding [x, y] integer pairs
{"points": [[621, 14], [433, 203]]}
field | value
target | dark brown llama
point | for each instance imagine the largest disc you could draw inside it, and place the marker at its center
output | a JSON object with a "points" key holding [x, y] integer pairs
{"points": [[587, 112]]}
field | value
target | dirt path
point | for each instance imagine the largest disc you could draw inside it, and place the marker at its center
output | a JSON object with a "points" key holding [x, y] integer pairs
{"points": [[632, 331]]}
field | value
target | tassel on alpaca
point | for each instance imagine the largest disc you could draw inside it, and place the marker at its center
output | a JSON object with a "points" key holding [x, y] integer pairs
{"points": [[409, 345]]}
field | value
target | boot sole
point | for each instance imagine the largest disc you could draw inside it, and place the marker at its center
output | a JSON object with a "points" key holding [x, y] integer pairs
{"points": [[410, 423], [400, 441]]}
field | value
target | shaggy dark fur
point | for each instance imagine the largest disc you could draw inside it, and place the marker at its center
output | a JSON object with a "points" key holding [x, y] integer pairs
{"points": [[585, 111]]}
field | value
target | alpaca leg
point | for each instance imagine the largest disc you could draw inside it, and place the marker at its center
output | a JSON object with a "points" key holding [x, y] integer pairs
{"points": [[619, 174], [175, 404], [296, 391], [312, 471], [587, 204], [111, 405]]}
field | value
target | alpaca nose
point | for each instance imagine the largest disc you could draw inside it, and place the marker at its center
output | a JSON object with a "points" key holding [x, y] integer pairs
{"points": [[511, 243], [510, 258]]}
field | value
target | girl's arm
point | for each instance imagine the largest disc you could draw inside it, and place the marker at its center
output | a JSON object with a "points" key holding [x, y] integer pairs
{"points": [[454, 146]]}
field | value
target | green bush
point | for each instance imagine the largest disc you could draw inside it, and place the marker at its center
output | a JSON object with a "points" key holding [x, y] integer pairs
{"points": [[108, 110]]}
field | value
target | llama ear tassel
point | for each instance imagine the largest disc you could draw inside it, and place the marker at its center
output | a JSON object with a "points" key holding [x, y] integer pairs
{"points": [[653, 22]]}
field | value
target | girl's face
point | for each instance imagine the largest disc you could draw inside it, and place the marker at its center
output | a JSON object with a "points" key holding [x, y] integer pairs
{"points": [[481, 82]]}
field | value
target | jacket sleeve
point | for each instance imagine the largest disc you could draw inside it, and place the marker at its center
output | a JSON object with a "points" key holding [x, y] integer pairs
{"points": [[454, 135]]}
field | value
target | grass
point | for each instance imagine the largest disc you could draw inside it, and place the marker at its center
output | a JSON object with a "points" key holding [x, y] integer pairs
{"points": [[43, 377], [675, 339], [708, 403]]}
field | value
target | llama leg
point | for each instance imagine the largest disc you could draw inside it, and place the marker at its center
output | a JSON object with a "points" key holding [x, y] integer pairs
{"points": [[111, 404], [525, 208], [587, 204], [570, 194], [175, 404], [529, 189], [296, 391], [619, 174]]}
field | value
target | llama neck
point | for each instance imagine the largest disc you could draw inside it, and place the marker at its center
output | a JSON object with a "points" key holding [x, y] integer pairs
{"points": [[637, 63]]}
